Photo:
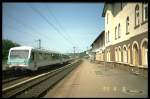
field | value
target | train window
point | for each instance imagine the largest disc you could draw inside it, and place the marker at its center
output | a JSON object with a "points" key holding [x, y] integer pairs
{"points": [[37, 58], [40, 56], [49, 56], [19, 53], [32, 55], [44, 55], [53, 56]]}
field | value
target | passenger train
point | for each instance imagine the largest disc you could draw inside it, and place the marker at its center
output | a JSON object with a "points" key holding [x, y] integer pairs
{"points": [[29, 58]]}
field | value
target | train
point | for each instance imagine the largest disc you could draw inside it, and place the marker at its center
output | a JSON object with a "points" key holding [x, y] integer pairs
{"points": [[29, 58]]}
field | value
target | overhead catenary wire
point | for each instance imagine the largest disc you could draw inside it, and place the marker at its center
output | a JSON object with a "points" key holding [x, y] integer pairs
{"points": [[38, 34], [16, 40], [59, 24], [38, 12], [19, 30], [29, 27], [51, 24]]}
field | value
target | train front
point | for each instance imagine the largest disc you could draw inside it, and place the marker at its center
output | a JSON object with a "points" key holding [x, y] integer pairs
{"points": [[18, 59]]}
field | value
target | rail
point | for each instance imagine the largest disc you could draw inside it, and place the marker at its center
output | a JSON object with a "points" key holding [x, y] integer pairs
{"points": [[37, 86]]}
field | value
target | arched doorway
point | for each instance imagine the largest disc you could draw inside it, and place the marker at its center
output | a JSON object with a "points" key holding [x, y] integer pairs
{"points": [[102, 56], [109, 54], [125, 54], [119, 54], [116, 55], [129, 54], [144, 54], [135, 54]]}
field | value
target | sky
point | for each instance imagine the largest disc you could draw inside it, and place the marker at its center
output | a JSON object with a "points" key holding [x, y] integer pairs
{"points": [[59, 26]]}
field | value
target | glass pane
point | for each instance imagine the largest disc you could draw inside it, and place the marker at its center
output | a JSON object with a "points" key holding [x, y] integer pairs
{"points": [[19, 54]]}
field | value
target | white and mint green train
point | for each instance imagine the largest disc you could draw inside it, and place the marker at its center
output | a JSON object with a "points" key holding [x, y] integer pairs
{"points": [[30, 58]]}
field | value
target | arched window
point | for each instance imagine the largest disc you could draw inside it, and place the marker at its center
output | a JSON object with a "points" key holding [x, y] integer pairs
{"points": [[137, 16], [115, 32], [119, 31], [107, 17], [145, 11], [127, 25], [108, 36]]}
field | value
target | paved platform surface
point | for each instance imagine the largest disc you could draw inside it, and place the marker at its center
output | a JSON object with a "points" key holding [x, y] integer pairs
{"points": [[97, 81]]}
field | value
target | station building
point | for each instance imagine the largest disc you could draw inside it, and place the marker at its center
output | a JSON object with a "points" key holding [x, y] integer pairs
{"points": [[98, 47], [126, 35]]}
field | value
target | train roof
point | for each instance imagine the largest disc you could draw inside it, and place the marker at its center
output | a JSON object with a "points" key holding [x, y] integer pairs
{"points": [[21, 47], [35, 49], [44, 50]]}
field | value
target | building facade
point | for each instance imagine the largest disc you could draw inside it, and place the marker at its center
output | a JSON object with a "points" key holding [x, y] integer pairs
{"points": [[98, 47], [126, 33]]}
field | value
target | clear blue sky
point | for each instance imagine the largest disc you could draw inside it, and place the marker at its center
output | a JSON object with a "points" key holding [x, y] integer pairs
{"points": [[60, 26]]}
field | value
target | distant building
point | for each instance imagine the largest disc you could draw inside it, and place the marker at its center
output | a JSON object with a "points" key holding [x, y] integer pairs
{"points": [[98, 47], [90, 54]]}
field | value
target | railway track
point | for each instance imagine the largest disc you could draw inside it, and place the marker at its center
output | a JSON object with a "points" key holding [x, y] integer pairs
{"points": [[9, 75], [37, 86], [26, 75]]}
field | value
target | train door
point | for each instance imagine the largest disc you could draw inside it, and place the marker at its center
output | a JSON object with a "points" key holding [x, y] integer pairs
{"points": [[34, 58]]}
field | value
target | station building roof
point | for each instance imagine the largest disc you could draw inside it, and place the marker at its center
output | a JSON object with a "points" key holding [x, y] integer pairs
{"points": [[102, 33]]}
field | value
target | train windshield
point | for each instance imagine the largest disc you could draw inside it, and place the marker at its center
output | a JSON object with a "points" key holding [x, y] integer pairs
{"points": [[21, 54]]}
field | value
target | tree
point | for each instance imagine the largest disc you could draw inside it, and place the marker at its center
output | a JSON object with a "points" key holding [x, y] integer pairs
{"points": [[6, 45]]}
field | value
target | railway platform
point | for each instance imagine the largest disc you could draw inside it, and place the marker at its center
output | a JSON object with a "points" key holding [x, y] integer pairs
{"points": [[99, 81]]}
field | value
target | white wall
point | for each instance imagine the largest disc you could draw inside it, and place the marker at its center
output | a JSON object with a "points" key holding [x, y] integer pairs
{"points": [[128, 10]]}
